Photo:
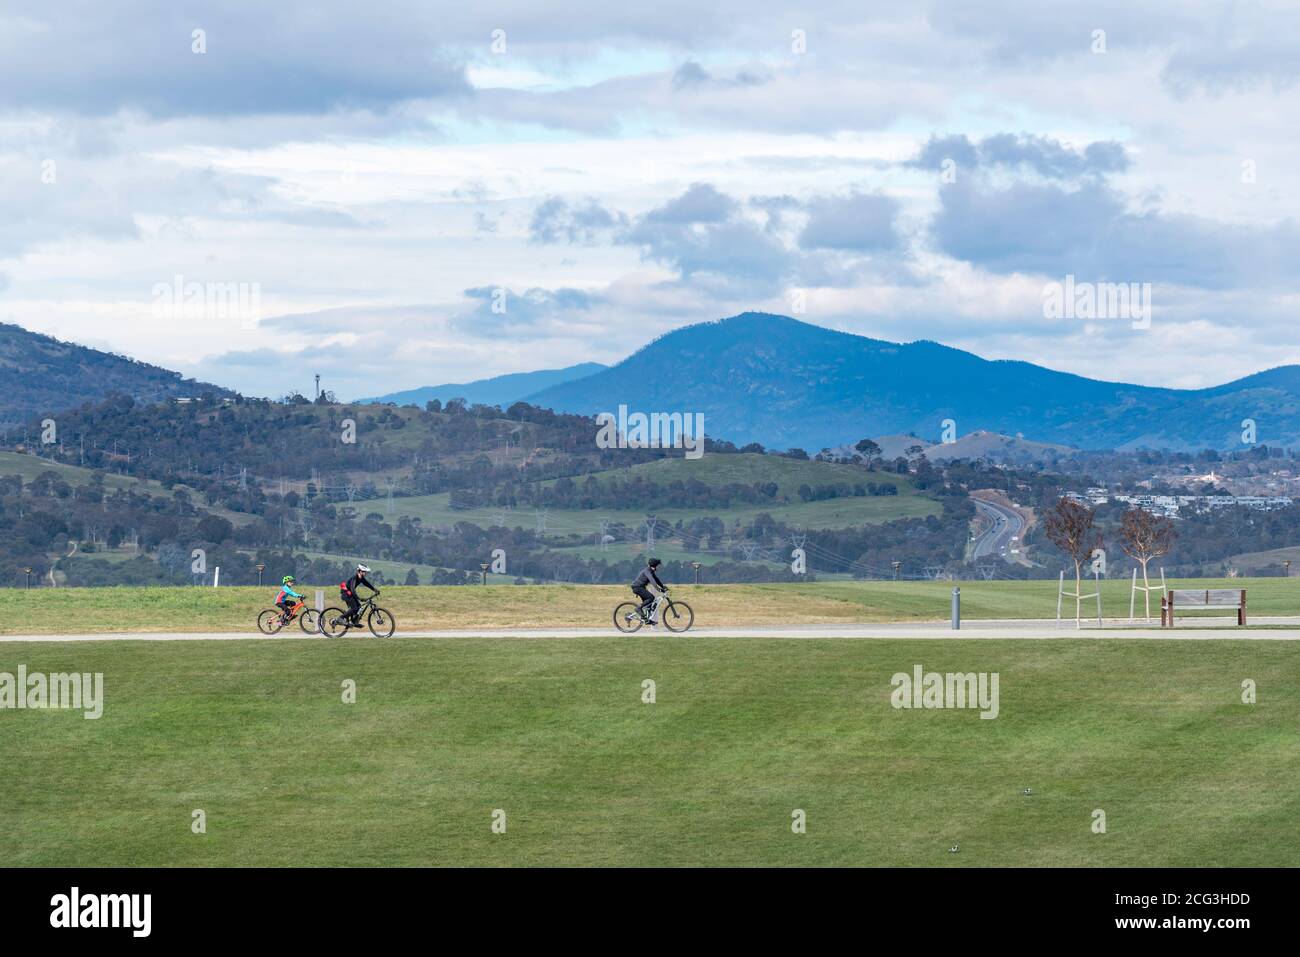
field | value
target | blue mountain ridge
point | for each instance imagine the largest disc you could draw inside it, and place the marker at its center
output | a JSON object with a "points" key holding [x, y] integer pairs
{"points": [[784, 383], [502, 390]]}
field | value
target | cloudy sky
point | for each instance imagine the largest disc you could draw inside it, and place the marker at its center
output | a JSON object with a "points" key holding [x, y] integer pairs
{"points": [[414, 193]]}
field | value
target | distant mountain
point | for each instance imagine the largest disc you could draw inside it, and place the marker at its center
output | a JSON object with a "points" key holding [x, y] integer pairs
{"points": [[784, 383], [43, 375], [502, 390]]}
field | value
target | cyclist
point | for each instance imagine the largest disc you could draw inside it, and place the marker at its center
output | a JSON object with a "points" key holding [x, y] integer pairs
{"points": [[647, 576], [285, 600], [348, 591]]}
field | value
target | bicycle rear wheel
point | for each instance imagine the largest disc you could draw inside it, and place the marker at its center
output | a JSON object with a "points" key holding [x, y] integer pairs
{"points": [[381, 622], [310, 621], [677, 616], [627, 617], [332, 623], [268, 622]]}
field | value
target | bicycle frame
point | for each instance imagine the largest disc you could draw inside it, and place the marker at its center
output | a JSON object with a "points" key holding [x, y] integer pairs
{"points": [[659, 602]]}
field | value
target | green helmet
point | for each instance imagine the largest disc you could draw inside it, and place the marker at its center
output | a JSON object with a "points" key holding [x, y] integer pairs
{"points": [[286, 580]]}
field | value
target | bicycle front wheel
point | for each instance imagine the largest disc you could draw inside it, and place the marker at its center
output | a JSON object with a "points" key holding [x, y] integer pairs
{"points": [[677, 616], [332, 623], [627, 617], [310, 621], [381, 622], [268, 622]]}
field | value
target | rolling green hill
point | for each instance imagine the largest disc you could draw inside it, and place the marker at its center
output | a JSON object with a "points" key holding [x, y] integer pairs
{"points": [[745, 469], [31, 467]]}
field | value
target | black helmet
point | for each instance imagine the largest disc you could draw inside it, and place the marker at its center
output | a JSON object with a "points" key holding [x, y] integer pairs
{"points": [[654, 563]]}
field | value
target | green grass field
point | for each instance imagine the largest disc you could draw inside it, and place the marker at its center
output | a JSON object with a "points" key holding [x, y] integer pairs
{"points": [[746, 469], [467, 607], [742, 733]]}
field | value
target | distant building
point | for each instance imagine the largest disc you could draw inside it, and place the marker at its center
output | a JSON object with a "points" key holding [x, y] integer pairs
{"points": [[1173, 504]]}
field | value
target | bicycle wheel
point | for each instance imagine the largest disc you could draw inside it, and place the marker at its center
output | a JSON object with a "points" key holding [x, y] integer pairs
{"points": [[627, 618], [310, 621], [332, 624], [677, 616], [268, 622], [381, 622]]}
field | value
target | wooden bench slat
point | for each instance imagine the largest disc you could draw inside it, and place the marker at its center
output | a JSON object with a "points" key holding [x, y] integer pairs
{"points": [[1193, 598], [1207, 596]]}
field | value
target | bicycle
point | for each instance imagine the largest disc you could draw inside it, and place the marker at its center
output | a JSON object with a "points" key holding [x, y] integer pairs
{"points": [[334, 622], [272, 620], [675, 615]]}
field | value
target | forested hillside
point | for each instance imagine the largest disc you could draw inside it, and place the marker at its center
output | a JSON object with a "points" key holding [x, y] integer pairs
{"points": [[43, 376]]}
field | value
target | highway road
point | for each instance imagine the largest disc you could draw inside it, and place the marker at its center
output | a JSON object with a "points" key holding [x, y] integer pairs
{"points": [[1002, 534]]}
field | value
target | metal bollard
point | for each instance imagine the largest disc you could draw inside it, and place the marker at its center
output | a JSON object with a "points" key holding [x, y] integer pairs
{"points": [[320, 599], [956, 609]]}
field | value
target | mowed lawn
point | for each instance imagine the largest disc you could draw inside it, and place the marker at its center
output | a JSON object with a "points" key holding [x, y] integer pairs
{"points": [[470, 607], [742, 733]]}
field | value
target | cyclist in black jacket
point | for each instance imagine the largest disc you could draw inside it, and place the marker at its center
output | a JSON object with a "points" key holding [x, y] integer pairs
{"points": [[348, 591], [639, 588]]}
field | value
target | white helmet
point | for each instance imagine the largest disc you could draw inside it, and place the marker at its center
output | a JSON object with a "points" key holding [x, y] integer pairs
{"points": [[364, 569]]}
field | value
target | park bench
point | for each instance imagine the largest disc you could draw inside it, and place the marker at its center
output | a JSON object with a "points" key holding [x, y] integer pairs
{"points": [[1187, 599]]}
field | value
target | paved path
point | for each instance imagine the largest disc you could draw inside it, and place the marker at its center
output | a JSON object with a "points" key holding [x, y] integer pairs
{"points": [[1216, 628]]}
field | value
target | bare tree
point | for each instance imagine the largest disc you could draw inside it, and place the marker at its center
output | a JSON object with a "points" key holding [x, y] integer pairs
{"points": [[1145, 536], [1069, 526]]}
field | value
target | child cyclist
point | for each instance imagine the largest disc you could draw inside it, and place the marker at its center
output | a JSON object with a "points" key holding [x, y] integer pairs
{"points": [[287, 598]]}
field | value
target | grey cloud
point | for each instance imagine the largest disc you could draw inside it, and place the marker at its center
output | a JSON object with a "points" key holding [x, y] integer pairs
{"points": [[1219, 68], [858, 221], [691, 75], [1089, 232], [712, 241], [701, 203], [86, 58], [502, 310], [1043, 155], [103, 199], [701, 231], [556, 220]]}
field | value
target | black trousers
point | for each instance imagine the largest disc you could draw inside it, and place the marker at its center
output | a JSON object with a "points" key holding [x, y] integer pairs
{"points": [[353, 603], [644, 594]]}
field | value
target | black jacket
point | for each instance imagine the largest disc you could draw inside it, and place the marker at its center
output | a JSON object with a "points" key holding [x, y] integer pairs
{"points": [[350, 586], [646, 577]]}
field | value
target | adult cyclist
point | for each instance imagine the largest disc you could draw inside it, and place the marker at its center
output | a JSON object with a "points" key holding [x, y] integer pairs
{"points": [[348, 592], [641, 590]]}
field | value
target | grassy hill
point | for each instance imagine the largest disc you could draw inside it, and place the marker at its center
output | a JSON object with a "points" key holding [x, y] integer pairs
{"points": [[745, 469], [31, 466]]}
